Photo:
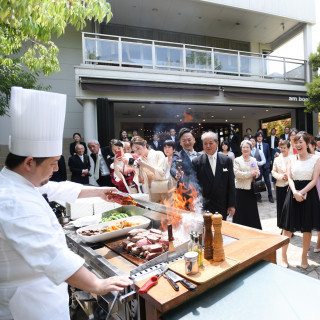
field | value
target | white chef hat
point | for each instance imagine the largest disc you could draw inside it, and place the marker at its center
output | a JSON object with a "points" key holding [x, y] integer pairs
{"points": [[37, 121]]}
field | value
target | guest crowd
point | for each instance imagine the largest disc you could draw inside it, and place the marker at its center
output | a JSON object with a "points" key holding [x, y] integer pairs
{"points": [[226, 181]]}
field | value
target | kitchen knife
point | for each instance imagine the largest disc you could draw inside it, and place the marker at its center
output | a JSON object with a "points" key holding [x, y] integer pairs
{"points": [[176, 278], [164, 269]]}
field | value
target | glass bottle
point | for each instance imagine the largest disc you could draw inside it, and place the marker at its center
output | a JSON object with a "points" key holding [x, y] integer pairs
{"points": [[198, 248]]}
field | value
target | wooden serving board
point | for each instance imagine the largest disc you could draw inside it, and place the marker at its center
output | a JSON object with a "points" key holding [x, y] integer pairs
{"points": [[116, 246], [208, 271]]}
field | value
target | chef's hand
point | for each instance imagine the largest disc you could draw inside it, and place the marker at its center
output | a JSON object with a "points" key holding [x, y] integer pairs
{"points": [[85, 280], [111, 284], [102, 192], [179, 175], [231, 211]]}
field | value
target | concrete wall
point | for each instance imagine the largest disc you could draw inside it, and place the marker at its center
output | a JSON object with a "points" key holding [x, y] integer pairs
{"points": [[294, 9]]}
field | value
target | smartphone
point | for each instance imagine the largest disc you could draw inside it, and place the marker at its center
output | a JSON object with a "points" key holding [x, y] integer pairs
{"points": [[118, 154]]}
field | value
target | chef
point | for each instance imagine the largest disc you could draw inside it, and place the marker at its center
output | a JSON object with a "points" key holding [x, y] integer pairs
{"points": [[35, 262]]}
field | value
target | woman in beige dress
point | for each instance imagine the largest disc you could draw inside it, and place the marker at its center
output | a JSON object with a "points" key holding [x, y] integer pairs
{"points": [[246, 170], [152, 169]]}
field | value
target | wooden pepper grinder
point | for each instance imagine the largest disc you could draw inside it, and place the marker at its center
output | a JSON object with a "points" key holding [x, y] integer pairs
{"points": [[218, 251], [208, 238]]}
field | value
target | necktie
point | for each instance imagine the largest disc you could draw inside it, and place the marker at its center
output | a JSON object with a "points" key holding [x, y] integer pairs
{"points": [[259, 146], [213, 165], [97, 168]]}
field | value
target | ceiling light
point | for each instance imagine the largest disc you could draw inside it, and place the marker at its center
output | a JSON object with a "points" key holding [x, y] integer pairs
{"points": [[177, 115], [180, 120], [267, 110], [139, 115], [212, 116], [199, 124], [204, 120], [189, 108], [230, 109], [226, 120], [142, 107], [244, 117]]}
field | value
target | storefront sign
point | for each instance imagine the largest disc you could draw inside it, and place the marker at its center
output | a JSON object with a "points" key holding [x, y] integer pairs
{"points": [[298, 98]]}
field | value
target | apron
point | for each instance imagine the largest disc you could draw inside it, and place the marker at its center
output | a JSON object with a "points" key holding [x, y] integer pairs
{"points": [[40, 299]]}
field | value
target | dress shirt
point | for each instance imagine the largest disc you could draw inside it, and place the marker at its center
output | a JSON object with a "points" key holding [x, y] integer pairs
{"points": [[260, 146], [272, 142], [173, 138], [213, 162], [286, 135], [191, 154], [103, 166], [156, 143], [262, 156], [81, 158]]}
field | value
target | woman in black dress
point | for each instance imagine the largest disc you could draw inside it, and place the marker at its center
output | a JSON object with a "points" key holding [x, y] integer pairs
{"points": [[246, 170], [301, 209], [77, 138]]}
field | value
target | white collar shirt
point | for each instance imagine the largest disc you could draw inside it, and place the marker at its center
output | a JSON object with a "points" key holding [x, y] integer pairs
{"points": [[272, 142], [213, 161]]}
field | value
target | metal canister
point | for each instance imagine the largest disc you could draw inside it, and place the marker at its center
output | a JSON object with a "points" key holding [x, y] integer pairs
{"points": [[191, 262]]}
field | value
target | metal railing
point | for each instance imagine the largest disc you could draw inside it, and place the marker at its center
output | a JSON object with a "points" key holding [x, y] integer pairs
{"points": [[159, 55]]}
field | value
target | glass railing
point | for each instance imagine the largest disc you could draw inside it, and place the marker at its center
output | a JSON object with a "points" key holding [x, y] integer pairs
{"points": [[177, 57]]}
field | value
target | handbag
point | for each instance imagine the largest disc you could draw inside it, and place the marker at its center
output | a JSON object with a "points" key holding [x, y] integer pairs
{"points": [[258, 186], [159, 186]]}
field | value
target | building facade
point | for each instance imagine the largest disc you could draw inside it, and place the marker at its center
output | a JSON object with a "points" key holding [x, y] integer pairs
{"points": [[202, 63]]}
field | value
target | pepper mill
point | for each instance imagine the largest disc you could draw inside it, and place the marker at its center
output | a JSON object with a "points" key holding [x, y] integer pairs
{"points": [[218, 251], [208, 239]]}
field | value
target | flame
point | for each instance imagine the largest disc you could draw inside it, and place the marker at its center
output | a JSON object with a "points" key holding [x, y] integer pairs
{"points": [[182, 198], [187, 117]]}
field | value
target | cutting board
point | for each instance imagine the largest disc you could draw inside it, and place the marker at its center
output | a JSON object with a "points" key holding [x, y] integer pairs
{"points": [[209, 270]]}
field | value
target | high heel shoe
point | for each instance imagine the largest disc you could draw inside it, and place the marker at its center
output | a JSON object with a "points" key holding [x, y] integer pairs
{"points": [[284, 264], [304, 266], [316, 250]]}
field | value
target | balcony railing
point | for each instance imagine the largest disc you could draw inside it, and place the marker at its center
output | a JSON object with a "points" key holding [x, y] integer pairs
{"points": [[176, 57]]}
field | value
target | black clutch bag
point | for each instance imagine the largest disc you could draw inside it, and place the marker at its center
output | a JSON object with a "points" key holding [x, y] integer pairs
{"points": [[258, 186]]}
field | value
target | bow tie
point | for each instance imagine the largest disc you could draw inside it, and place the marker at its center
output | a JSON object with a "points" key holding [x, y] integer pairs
{"points": [[193, 153]]}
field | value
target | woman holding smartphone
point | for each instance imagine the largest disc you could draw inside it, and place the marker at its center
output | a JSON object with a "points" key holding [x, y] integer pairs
{"points": [[302, 205], [124, 175]]}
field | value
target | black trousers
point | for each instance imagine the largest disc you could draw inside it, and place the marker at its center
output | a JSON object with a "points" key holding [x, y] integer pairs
{"points": [[265, 174], [105, 181]]}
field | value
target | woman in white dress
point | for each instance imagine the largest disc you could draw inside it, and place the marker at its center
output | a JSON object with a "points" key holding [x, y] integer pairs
{"points": [[301, 209], [152, 169], [279, 172], [169, 148]]}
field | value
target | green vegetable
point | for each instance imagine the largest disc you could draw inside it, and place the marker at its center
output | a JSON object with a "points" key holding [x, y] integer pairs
{"points": [[114, 216]]}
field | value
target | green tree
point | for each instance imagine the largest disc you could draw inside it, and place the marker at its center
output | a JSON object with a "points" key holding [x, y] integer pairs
{"points": [[15, 75], [313, 88], [32, 23]]}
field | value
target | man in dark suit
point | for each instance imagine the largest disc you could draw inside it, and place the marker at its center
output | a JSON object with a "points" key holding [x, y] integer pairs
{"points": [[174, 138], [264, 170], [234, 142], [79, 165], [286, 134], [215, 176], [184, 174], [61, 174], [155, 144], [273, 141], [103, 158]]}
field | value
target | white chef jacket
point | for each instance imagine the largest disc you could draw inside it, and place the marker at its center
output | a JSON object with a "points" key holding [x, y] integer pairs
{"points": [[34, 257]]}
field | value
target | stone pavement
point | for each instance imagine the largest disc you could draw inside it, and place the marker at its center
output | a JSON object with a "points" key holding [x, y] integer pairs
{"points": [[268, 216]]}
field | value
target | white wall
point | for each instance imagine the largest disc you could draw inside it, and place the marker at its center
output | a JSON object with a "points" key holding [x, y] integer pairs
{"points": [[294, 9]]}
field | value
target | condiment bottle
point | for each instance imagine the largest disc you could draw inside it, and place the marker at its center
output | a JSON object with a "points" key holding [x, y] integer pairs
{"points": [[218, 251], [208, 238], [198, 248]]}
